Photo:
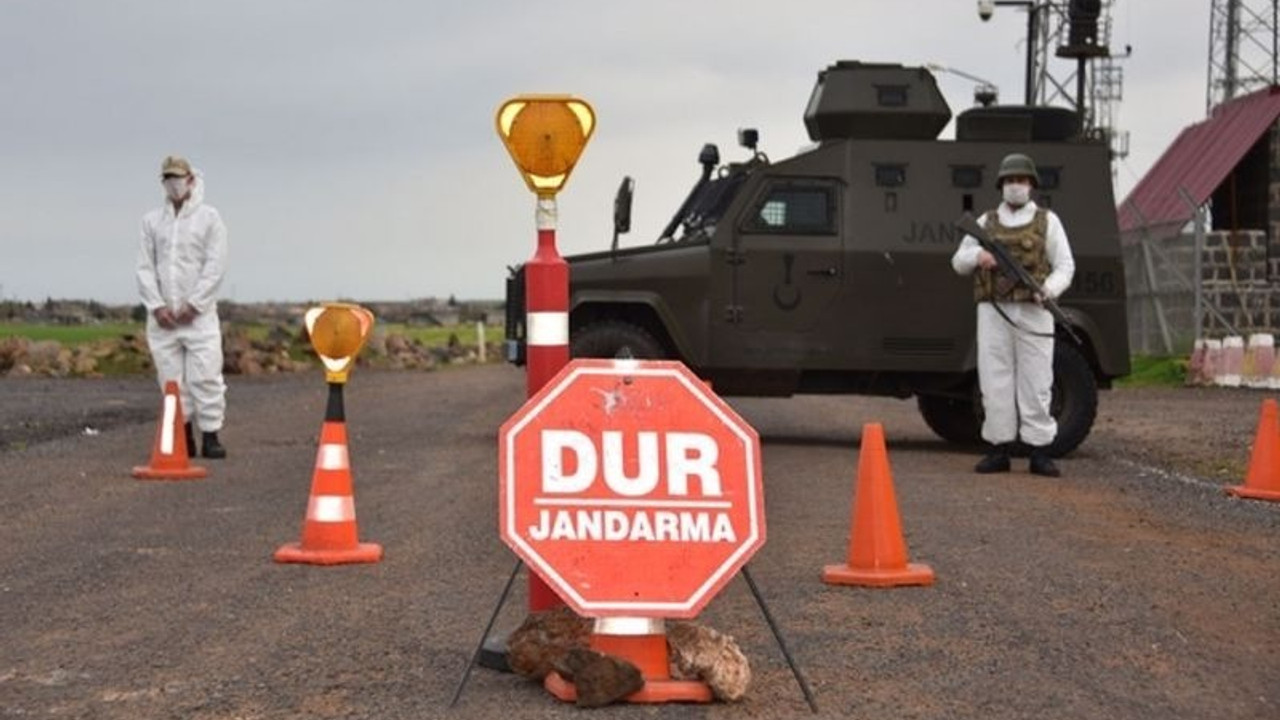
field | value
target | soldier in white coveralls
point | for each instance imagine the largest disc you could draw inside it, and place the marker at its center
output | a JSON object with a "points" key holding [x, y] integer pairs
{"points": [[1015, 331], [181, 263]]}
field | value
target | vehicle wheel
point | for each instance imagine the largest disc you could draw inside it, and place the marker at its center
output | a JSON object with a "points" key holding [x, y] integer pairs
{"points": [[1074, 406], [615, 338], [951, 418], [1075, 398]]}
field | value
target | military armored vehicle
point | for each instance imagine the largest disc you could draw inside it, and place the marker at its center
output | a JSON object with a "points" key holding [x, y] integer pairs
{"points": [[829, 272]]}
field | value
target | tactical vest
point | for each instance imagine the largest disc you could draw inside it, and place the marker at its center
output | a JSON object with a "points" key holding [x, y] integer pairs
{"points": [[1026, 245]]}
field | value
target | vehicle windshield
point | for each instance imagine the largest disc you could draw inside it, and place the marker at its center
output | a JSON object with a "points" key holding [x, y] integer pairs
{"points": [[708, 202]]}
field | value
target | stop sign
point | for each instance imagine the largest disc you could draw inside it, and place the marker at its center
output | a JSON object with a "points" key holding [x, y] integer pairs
{"points": [[630, 488]]}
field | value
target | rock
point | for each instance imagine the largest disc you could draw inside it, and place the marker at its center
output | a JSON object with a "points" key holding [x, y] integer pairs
{"points": [[700, 653], [397, 344], [42, 355], [543, 639], [12, 352], [280, 335], [377, 343], [85, 365], [599, 679], [236, 343]]}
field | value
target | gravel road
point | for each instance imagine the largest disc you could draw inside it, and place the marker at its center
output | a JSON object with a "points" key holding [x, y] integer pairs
{"points": [[1131, 588]]}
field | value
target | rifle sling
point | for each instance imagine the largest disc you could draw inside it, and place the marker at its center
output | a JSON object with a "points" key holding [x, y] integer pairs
{"points": [[1015, 325]]}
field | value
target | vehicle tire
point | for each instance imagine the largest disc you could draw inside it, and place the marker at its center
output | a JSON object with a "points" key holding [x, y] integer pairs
{"points": [[615, 338], [953, 419], [1075, 398], [1074, 406]]}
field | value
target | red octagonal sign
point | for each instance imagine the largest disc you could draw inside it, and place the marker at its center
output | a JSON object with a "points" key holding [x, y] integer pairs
{"points": [[630, 488]]}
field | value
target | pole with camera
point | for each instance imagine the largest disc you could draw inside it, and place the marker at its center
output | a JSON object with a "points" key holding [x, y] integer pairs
{"points": [[1071, 24]]}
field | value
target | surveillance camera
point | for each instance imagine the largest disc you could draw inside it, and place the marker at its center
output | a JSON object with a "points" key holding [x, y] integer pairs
{"points": [[985, 9]]}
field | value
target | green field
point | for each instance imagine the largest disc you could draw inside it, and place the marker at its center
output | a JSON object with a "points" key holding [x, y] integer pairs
{"points": [[438, 336], [69, 334], [78, 334], [1153, 371]]}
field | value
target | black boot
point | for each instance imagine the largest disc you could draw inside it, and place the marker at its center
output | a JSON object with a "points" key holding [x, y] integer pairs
{"points": [[191, 440], [996, 461], [1042, 464], [211, 447]]}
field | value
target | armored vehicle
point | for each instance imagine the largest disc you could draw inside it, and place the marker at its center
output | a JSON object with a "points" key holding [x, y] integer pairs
{"points": [[830, 272]]}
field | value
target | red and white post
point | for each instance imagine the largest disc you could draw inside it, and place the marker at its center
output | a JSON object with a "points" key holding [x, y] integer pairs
{"points": [[545, 135], [547, 337]]}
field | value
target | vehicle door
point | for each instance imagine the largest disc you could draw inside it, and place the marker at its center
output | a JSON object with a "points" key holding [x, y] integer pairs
{"points": [[787, 271]]}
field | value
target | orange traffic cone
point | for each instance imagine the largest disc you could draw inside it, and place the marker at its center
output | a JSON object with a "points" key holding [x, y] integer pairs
{"points": [[329, 531], [643, 643], [877, 553], [169, 452], [1263, 479]]}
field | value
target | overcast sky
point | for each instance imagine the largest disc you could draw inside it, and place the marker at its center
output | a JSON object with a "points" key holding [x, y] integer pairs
{"points": [[350, 146]]}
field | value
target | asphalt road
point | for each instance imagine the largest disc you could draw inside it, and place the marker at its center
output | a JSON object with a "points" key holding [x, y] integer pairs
{"points": [[1128, 589]]}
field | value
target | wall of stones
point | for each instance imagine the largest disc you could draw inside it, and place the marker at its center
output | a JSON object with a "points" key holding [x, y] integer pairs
{"points": [[1239, 278]]}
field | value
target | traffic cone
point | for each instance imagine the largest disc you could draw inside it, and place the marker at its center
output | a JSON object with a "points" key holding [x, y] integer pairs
{"points": [[643, 643], [1262, 482], [877, 553], [170, 458], [329, 532]]}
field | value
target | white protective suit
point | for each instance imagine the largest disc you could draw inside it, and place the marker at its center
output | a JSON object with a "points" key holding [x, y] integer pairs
{"points": [[1015, 364], [182, 260]]}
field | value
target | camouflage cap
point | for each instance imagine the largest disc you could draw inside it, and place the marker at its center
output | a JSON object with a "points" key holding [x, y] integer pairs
{"points": [[175, 165]]}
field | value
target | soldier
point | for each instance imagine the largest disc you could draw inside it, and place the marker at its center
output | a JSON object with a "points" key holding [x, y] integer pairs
{"points": [[181, 262], [1015, 332]]}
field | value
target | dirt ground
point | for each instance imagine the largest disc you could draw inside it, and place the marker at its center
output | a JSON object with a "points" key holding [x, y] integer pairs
{"points": [[1133, 587]]}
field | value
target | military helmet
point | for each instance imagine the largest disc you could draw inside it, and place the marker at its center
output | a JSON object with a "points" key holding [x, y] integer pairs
{"points": [[1015, 164]]}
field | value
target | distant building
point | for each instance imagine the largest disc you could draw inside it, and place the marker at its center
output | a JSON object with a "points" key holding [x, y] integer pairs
{"points": [[1220, 176]]}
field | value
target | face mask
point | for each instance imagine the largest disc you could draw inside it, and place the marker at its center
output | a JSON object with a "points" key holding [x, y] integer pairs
{"points": [[1017, 194], [176, 188]]}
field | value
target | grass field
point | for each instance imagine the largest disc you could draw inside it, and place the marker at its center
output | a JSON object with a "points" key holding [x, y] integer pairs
{"points": [[78, 334], [69, 334], [437, 336], [1152, 371]]}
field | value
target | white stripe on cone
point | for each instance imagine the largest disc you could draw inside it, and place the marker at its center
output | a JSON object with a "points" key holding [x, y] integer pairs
{"points": [[331, 508], [166, 429], [548, 329], [331, 456]]}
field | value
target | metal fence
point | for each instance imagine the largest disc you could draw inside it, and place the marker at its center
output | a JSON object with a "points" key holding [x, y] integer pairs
{"points": [[1185, 283]]}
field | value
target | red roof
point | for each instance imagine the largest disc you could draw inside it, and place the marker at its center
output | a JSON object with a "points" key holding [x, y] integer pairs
{"points": [[1199, 160]]}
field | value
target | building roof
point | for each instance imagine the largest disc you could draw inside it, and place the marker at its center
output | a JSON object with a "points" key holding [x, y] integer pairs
{"points": [[1199, 160]]}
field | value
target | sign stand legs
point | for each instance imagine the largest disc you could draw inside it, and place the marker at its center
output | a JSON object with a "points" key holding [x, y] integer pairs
{"points": [[777, 635], [502, 600]]}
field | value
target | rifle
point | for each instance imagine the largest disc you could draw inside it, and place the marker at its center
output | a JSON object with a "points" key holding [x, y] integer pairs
{"points": [[1014, 270]]}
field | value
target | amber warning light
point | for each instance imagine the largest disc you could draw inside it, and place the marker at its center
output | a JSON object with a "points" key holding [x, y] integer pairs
{"points": [[545, 135], [338, 331]]}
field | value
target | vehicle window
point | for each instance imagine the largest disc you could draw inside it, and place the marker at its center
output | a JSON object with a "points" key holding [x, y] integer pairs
{"points": [[966, 176], [1050, 178], [890, 175], [795, 209], [891, 95]]}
